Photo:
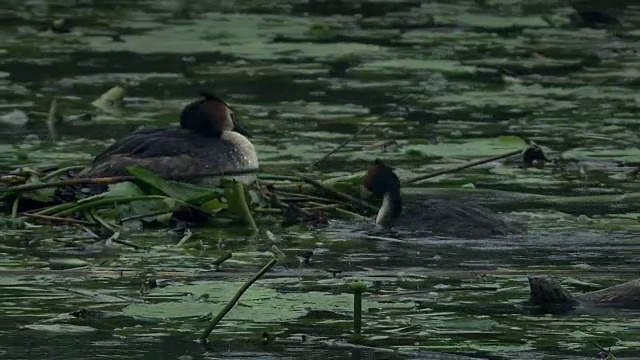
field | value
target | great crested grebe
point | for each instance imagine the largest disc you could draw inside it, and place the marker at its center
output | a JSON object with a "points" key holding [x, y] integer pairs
{"points": [[208, 141], [436, 216]]}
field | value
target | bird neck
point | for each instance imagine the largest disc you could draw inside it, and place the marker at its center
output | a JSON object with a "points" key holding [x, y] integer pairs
{"points": [[390, 209]]}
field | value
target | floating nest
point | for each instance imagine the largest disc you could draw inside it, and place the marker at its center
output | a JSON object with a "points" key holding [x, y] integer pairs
{"points": [[34, 195]]}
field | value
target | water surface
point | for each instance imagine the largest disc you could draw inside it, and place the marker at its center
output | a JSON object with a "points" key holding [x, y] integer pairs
{"points": [[304, 75]]}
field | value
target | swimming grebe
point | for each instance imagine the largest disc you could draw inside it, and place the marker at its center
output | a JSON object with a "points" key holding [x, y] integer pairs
{"points": [[208, 140], [437, 216]]}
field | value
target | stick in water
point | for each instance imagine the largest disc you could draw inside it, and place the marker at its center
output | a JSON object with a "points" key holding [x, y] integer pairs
{"points": [[463, 166], [217, 262], [356, 202], [58, 219], [234, 300], [358, 288], [115, 179], [244, 205]]}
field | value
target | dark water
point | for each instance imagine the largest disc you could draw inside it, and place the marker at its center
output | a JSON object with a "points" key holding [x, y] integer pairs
{"points": [[303, 76]]}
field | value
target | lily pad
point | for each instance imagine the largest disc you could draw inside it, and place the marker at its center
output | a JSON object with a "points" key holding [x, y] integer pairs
{"points": [[258, 304]]}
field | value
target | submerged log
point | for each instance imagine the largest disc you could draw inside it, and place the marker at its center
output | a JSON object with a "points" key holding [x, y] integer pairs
{"points": [[549, 295]]}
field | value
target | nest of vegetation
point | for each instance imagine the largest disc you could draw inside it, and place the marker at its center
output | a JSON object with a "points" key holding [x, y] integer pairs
{"points": [[145, 199]]}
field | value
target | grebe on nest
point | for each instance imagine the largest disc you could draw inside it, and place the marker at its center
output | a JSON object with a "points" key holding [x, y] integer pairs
{"points": [[209, 140]]}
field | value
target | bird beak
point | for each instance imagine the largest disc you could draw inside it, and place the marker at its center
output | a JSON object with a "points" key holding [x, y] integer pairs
{"points": [[241, 130]]}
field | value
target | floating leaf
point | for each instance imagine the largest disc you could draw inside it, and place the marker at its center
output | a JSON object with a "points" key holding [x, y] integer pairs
{"points": [[126, 188], [111, 101], [154, 181], [513, 140], [107, 319], [189, 193], [163, 219], [136, 208], [62, 264], [60, 328], [214, 205], [46, 195], [258, 304]]}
